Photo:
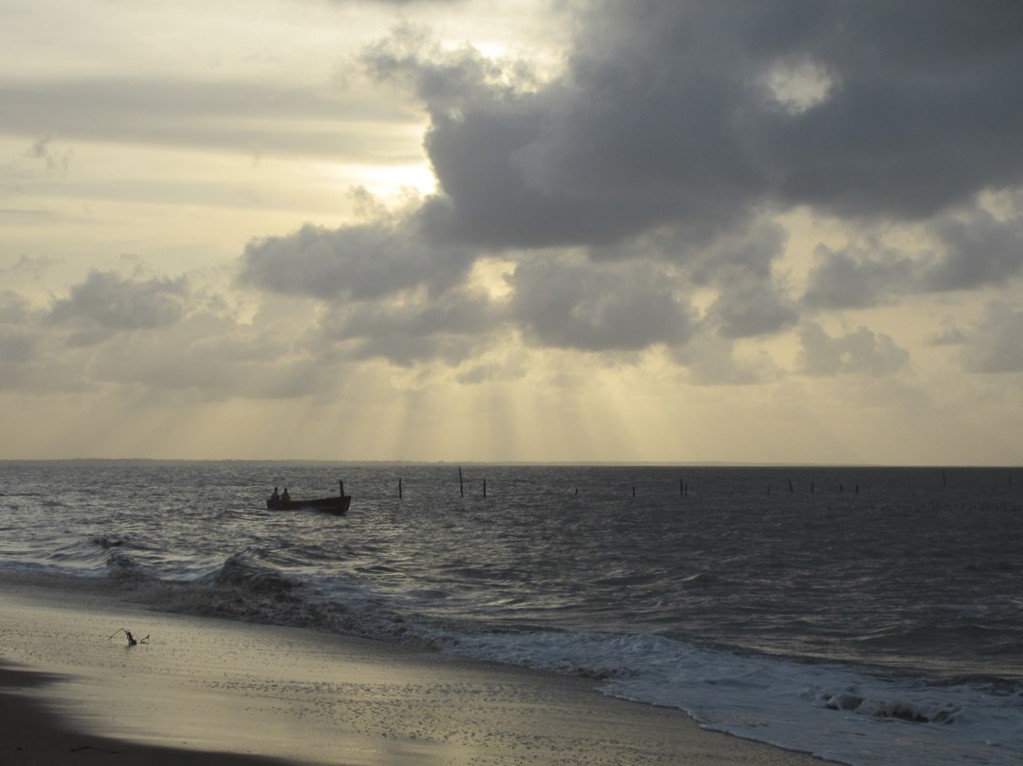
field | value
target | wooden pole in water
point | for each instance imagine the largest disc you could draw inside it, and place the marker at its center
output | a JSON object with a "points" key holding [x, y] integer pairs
{"points": [[399, 488], [633, 490], [484, 486], [461, 486], [791, 490], [341, 486]]}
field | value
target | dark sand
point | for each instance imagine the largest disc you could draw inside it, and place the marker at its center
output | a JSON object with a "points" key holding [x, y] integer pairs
{"points": [[206, 691]]}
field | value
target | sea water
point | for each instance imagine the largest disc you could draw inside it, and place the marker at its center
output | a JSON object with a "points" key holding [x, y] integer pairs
{"points": [[867, 615]]}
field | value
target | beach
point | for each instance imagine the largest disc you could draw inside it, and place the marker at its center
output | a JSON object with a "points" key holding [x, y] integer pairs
{"points": [[207, 690]]}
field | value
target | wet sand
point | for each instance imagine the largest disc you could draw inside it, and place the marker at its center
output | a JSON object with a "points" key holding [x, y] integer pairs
{"points": [[205, 691]]}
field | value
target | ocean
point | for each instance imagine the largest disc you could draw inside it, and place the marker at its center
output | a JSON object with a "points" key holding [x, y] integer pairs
{"points": [[867, 615]]}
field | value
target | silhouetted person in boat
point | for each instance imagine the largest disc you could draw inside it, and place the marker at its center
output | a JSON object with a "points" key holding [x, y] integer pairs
{"points": [[285, 496], [274, 495]]}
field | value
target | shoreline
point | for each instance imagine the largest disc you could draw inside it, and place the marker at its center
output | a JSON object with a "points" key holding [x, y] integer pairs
{"points": [[32, 734], [203, 688]]}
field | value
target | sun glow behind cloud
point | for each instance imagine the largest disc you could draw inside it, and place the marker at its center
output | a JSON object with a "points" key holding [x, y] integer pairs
{"points": [[387, 181]]}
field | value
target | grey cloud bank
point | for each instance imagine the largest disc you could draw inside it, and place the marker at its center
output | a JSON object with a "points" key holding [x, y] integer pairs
{"points": [[673, 127]]}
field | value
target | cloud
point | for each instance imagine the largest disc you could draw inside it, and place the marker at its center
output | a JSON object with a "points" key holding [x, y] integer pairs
{"points": [[978, 250], [30, 361], [482, 114], [14, 308], [33, 268], [663, 116], [505, 151], [711, 360], [160, 337], [751, 299], [749, 305], [448, 327], [972, 248], [113, 302], [948, 335], [852, 278], [651, 165], [861, 352], [357, 262], [56, 161], [18, 343], [15, 346], [574, 303], [213, 357], [917, 120], [995, 344]]}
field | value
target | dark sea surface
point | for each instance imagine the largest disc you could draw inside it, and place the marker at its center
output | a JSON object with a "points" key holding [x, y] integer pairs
{"points": [[868, 615]]}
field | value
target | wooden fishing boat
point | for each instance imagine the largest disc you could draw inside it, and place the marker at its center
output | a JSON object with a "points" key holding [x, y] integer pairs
{"points": [[335, 505]]}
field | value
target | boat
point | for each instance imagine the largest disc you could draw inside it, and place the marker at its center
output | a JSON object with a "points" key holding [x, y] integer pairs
{"points": [[335, 505]]}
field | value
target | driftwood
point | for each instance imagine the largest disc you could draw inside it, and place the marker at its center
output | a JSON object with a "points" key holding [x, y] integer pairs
{"points": [[132, 641]]}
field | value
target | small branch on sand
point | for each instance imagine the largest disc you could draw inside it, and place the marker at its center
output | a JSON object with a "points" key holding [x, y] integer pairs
{"points": [[132, 641]]}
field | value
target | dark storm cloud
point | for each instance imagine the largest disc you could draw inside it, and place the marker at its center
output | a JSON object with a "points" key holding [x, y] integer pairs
{"points": [[676, 125], [861, 352], [479, 120], [535, 168], [666, 115], [113, 302], [923, 113]]}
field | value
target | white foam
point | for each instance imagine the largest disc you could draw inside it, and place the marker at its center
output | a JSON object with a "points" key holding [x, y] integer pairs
{"points": [[831, 711]]}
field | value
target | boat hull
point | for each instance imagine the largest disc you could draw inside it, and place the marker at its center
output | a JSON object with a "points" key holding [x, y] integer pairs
{"points": [[334, 505]]}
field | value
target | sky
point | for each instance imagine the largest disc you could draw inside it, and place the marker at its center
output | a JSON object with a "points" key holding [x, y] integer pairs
{"points": [[654, 231]]}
